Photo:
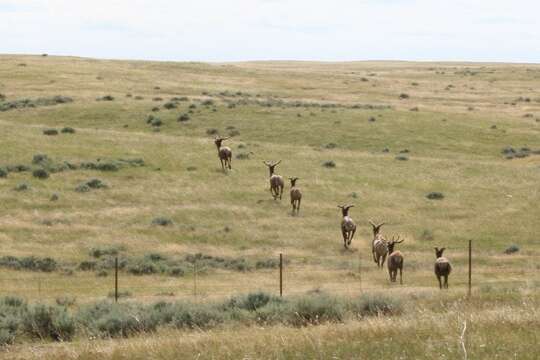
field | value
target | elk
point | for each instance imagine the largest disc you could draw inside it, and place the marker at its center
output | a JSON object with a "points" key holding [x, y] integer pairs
{"points": [[379, 245], [296, 195], [395, 261], [348, 227], [224, 153], [276, 181], [443, 268]]}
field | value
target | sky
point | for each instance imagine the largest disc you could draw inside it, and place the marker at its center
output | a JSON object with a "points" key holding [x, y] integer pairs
{"points": [[238, 30]]}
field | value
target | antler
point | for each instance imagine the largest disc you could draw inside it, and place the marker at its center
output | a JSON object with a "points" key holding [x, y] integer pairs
{"points": [[266, 163], [277, 163]]}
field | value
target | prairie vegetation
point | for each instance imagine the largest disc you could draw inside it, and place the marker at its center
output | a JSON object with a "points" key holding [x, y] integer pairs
{"points": [[131, 171]]}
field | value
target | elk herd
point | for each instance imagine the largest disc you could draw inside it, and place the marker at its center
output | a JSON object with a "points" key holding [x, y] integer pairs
{"points": [[382, 249]]}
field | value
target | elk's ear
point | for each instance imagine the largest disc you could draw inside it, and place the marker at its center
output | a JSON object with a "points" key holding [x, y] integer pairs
{"points": [[372, 224], [442, 250]]}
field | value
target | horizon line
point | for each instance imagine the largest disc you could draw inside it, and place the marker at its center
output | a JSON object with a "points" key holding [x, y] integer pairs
{"points": [[478, 62]]}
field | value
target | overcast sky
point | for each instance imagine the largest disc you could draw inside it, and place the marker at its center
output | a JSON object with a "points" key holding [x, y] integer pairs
{"points": [[231, 30]]}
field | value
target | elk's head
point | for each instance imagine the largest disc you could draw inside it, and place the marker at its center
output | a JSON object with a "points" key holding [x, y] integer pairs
{"points": [[271, 166], [219, 140], [438, 252], [376, 228], [345, 209], [392, 243], [293, 181]]}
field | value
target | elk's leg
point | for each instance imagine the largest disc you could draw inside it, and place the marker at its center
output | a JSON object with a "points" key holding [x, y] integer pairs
{"points": [[298, 206], [440, 282], [230, 161], [446, 281], [383, 260], [400, 275], [345, 235], [280, 192], [351, 236]]}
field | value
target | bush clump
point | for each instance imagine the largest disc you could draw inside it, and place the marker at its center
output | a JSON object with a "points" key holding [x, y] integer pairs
{"points": [[105, 98], [183, 118], [3, 173], [315, 309], [67, 130], [435, 195], [21, 187], [511, 249], [377, 305], [170, 105], [90, 184], [40, 174], [329, 164], [30, 263], [162, 221], [54, 322], [50, 132]]}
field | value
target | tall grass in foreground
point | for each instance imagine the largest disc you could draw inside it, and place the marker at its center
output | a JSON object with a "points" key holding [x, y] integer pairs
{"points": [[110, 320]]}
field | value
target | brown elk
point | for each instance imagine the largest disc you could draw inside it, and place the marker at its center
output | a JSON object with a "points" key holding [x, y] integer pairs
{"points": [[296, 195], [395, 261], [276, 181], [224, 153], [379, 245], [348, 227], [443, 268]]}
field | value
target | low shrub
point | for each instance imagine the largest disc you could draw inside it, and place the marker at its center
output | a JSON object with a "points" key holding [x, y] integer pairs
{"points": [[242, 156], [315, 309], [329, 164], [162, 221], [200, 316], [30, 263], [3, 173], [105, 98], [401, 158], [184, 117], [403, 96], [21, 187], [98, 252], [170, 105], [511, 249], [50, 132], [435, 195], [377, 305], [68, 130], [43, 321], [90, 184], [211, 131], [40, 174]]}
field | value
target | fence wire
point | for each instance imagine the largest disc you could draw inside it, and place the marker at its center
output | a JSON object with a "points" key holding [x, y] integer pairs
{"points": [[348, 274]]}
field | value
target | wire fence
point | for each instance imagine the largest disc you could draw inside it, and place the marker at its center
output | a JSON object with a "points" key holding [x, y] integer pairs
{"points": [[350, 275]]}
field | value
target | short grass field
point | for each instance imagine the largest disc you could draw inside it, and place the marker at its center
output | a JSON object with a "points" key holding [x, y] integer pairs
{"points": [[379, 135]]}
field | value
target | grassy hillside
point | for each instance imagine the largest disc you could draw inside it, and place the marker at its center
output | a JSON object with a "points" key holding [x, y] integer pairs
{"points": [[450, 121]]}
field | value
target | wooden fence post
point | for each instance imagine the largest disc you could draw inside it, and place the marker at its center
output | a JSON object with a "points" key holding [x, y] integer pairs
{"points": [[116, 279], [280, 274], [470, 267], [195, 278]]}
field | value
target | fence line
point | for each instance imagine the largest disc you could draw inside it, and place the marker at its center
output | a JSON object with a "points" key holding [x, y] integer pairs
{"points": [[287, 278]]}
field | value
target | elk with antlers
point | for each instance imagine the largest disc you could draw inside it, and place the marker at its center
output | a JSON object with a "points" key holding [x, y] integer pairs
{"points": [[348, 227], [379, 245], [296, 196], [443, 268], [395, 261], [224, 153], [276, 181]]}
